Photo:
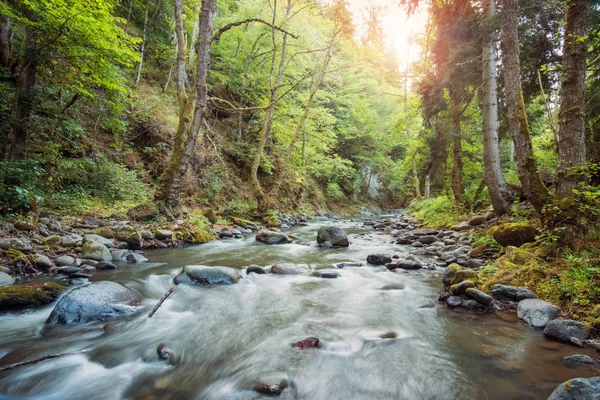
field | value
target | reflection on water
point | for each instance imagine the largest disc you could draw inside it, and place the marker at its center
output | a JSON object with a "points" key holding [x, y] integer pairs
{"points": [[383, 335]]}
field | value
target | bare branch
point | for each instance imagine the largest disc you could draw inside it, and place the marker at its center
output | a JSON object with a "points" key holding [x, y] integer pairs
{"points": [[227, 27]]}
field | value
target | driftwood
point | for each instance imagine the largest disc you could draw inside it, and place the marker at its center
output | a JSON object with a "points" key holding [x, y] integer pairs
{"points": [[36, 360], [162, 300]]}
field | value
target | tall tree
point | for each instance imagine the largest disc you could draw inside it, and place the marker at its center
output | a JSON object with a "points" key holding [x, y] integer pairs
{"points": [[533, 187], [491, 155], [5, 39], [571, 126]]}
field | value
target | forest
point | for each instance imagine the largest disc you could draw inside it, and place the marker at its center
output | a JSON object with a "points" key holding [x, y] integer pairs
{"points": [[200, 117]]}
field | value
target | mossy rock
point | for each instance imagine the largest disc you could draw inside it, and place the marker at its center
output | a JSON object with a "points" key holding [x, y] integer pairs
{"points": [[450, 273], [514, 233], [244, 223], [461, 288], [463, 275], [18, 296]]}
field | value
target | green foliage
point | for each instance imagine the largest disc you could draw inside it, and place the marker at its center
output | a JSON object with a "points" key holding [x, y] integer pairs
{"points": [[334, 192], [437, 212], [21, 185]]}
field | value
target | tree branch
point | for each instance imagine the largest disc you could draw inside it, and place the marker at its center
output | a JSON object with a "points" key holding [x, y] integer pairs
{"points": [[227, 27]]}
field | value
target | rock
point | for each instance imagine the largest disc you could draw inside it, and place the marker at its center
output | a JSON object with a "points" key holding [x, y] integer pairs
{"points": [[454, 301], [146, 235], [379, 259], [130, 235], [578, 389], [225, 234], [42, 261], [53, 240], [166, 353], [68, 270], [105, 232], [513, 293], [349, 265], [471, 304], [255, 269], [95, 251], [537, 313], [326, 274], [14, 243], [290, 269], [5, 279], [308, 343], [326, 245], [64, 261], [90, 221], [24, 226], [119, 255], [208, 275], [54, 225], [97, 301], [463, 275], [477, 220], [105, 265], [480, 296], [272, 237], [90, 263], [417, 244], [20, 296], [461, 288], [100, 239], [334, 235], [427, 239], [163, 234], [404, 264], [271, 386], [463, 226], [404, 240], [132, 257], [67, 241], [581, 359], [514, 234], [450, 273], [44, 231], [563, 330], [143, 212], [123, 246]]}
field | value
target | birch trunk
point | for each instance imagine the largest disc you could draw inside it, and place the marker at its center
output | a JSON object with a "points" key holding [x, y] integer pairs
{"points": [[138, 73]]}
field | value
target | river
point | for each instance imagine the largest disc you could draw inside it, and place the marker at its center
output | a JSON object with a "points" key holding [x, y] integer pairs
{"points": [[383, 334]]}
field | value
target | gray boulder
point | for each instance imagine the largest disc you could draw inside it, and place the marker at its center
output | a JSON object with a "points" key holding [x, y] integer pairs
{"points": [[42, 261], [428, 239], [95, 251], [255, 269], [290, 269], [163, 234], [105, 265], [581, 360], [537, 313], [64, 261], [208, 275], [272, 237], [578, 389], [334, 235], [96, 301], [100, 239], [563, 330], [453, 301], [133, 257], [14, 243], [379, 259], [404, 264], [67, 241], [480, 296], [505, 292], [6, 279]]}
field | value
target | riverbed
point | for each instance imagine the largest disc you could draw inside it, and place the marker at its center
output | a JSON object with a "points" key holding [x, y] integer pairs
{"points": [[383, 334]]}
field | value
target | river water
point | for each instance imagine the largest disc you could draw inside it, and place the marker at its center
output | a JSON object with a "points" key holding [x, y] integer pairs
{"points": [[226, 338]]}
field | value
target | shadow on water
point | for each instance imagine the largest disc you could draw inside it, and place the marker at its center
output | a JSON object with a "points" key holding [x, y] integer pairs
{"points": [[383, 335]]}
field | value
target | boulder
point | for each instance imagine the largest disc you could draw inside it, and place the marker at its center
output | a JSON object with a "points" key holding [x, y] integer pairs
{"points": [[105, 265], [325, 274], [67, 241], [119, 255], [379, 259], [290, 269], [578, 389], [95, 251], [24, 226], [143, 212], [97, 301], [428, 239], [100, 239], [334, 235], [463, 275], [581, 360], [453, 301], [272, 237], [6, 279], [147, 235], [68, 270], [64, 261], [21, 296], [450, 273], [563, 330], [255, 269], [130, 235], [208, 275], [477, 220], [42, 261], [14, 243], [163, 234], [461, 288], [404, 264], [105, 232], [514, 234], [133, 257], [537, 313], [271, 386], [479, 296], [513, 293], [308, 343]]}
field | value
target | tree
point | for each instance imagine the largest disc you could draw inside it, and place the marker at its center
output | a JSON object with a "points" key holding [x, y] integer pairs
{"points": [[533, 187], [491, 157], [571, 119]]}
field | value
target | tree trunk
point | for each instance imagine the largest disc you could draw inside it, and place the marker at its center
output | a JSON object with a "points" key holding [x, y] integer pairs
{"points": [[25, 97], [571, 122], [192, 42], [128, 16], [427, 185], [138, 73], [533, 187], [5, 40], [456, 174], [192, 107], [491, 155], [413, 163], [268, 120]]}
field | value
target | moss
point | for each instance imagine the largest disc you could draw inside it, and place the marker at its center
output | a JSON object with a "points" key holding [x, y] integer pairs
{"points": [[463, 275], [17, 296], [271, 219]]}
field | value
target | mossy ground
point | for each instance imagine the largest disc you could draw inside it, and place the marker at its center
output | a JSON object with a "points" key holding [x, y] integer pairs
{"points": [[17, 296]]}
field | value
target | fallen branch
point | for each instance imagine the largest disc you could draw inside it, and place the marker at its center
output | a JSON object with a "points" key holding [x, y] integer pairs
{"points": [[157, 306], [36, 360]]}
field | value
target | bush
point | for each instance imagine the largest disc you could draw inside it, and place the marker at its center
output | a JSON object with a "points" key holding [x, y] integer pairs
{"points": [[21, 185], [334, 192], [437, 212]]}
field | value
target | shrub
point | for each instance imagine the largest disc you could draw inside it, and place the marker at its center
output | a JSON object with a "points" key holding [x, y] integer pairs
{"points": [[437, 212]]}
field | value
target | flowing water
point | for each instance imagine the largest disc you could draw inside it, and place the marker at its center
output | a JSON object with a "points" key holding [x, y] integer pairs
{"points": [[397, 343]]}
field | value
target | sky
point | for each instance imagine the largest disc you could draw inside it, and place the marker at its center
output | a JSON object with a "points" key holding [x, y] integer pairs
{"points": [[398, 27]]}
